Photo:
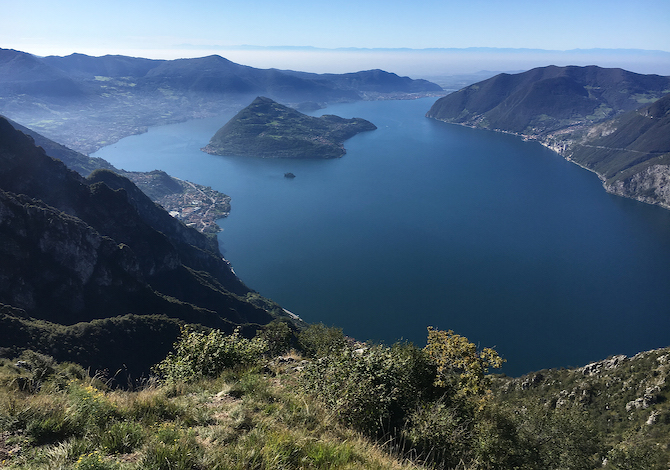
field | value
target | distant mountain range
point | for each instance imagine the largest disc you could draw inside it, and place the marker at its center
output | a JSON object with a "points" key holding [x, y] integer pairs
{"points": [[611, 121], [268, 129], [86, 102]]}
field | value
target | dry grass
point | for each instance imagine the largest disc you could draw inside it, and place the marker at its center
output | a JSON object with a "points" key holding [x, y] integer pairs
{"points": [[238, 421]]}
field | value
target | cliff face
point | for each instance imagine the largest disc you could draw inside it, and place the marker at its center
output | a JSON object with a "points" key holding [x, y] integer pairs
{"points": [[651, 185], [56, 266], [75, 249]]}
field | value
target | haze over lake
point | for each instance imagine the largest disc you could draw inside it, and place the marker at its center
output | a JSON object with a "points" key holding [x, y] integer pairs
{"points": [[425, 223]]}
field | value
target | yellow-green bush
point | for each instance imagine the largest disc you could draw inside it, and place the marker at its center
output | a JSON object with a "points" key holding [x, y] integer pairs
{"points": [[197, 355]]}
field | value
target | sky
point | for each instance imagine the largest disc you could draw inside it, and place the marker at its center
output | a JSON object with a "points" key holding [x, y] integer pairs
{"points": [[169, 29]]}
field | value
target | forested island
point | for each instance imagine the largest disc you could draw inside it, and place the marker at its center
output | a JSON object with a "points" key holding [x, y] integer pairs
{"points": [[268, 129]]}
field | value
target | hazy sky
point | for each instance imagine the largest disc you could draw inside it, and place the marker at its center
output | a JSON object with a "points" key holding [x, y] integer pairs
{"points": [[159, 29]]}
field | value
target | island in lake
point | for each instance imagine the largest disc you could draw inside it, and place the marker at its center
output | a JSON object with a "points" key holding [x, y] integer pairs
{"points": [[268, 129]]}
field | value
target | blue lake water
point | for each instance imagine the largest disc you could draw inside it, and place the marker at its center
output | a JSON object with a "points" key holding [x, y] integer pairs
{"points": [[425, 223]]}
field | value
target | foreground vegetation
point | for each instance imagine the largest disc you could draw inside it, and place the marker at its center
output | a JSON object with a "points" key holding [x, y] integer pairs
{"points": [[317, 400]]}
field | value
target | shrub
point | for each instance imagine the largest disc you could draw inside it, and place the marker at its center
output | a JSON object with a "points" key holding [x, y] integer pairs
{"points": [[372, 389], [319, 340], [632, 456], [279, 337], [459, 365], [559, 438], [440, 433], [197, 355]]}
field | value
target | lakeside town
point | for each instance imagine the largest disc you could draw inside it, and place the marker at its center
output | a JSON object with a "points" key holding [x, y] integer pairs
{"points": [[196, 205]]}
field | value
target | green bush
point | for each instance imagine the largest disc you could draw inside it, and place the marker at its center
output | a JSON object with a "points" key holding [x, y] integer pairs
{"points": [[632, 456], [319, 340], [440, 433], [460, 366], [197, 355], [279, 337], [559, 438], [372, 389]]}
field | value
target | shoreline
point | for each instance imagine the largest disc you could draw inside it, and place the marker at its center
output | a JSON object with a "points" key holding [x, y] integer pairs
{"points": [[608, 187]]}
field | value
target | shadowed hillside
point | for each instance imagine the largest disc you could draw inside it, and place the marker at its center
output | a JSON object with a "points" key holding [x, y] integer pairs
{"points": [[75, 249]]}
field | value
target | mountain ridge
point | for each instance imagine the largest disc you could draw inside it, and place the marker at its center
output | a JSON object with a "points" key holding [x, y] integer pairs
{"points": [[87, 102], [80, 249]]}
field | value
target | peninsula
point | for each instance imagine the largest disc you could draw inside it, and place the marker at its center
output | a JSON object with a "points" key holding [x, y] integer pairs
{"points": [[268, 129]]}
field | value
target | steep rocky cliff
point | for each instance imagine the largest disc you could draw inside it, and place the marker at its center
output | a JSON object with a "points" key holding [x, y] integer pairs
{"points": [[74, 249]]}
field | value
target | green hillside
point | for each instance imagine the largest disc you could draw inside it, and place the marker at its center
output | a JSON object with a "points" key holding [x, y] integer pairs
{"points": [[631, 152], [268, 129], [547, 99], [315, 400]]}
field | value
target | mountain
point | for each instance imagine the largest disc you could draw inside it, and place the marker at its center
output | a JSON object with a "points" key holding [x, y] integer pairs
{"points": [[115, 66], [266, 128], [87, 102], [25, 74], [73, 160], [546, 99], [214, 74], [610, 121], [631, 153], [77, 249], [177, 196], [376, 81]]}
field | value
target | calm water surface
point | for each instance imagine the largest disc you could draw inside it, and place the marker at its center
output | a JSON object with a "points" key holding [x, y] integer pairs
{"points": [[424, 223]]}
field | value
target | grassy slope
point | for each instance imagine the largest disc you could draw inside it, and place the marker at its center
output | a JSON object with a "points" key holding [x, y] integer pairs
{"points": [[237, 421], [627, 144], [262, 418]]}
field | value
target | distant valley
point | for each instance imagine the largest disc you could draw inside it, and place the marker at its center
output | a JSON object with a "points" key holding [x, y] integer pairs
{"points": [[88, 102]]}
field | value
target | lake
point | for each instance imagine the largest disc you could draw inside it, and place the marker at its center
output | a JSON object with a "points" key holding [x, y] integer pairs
{"points": [[423, 223]]}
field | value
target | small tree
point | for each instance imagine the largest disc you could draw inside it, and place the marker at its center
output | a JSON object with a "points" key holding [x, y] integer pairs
{"points": [[198, 355], [278, 335], [319, 340], [460, 366]]}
